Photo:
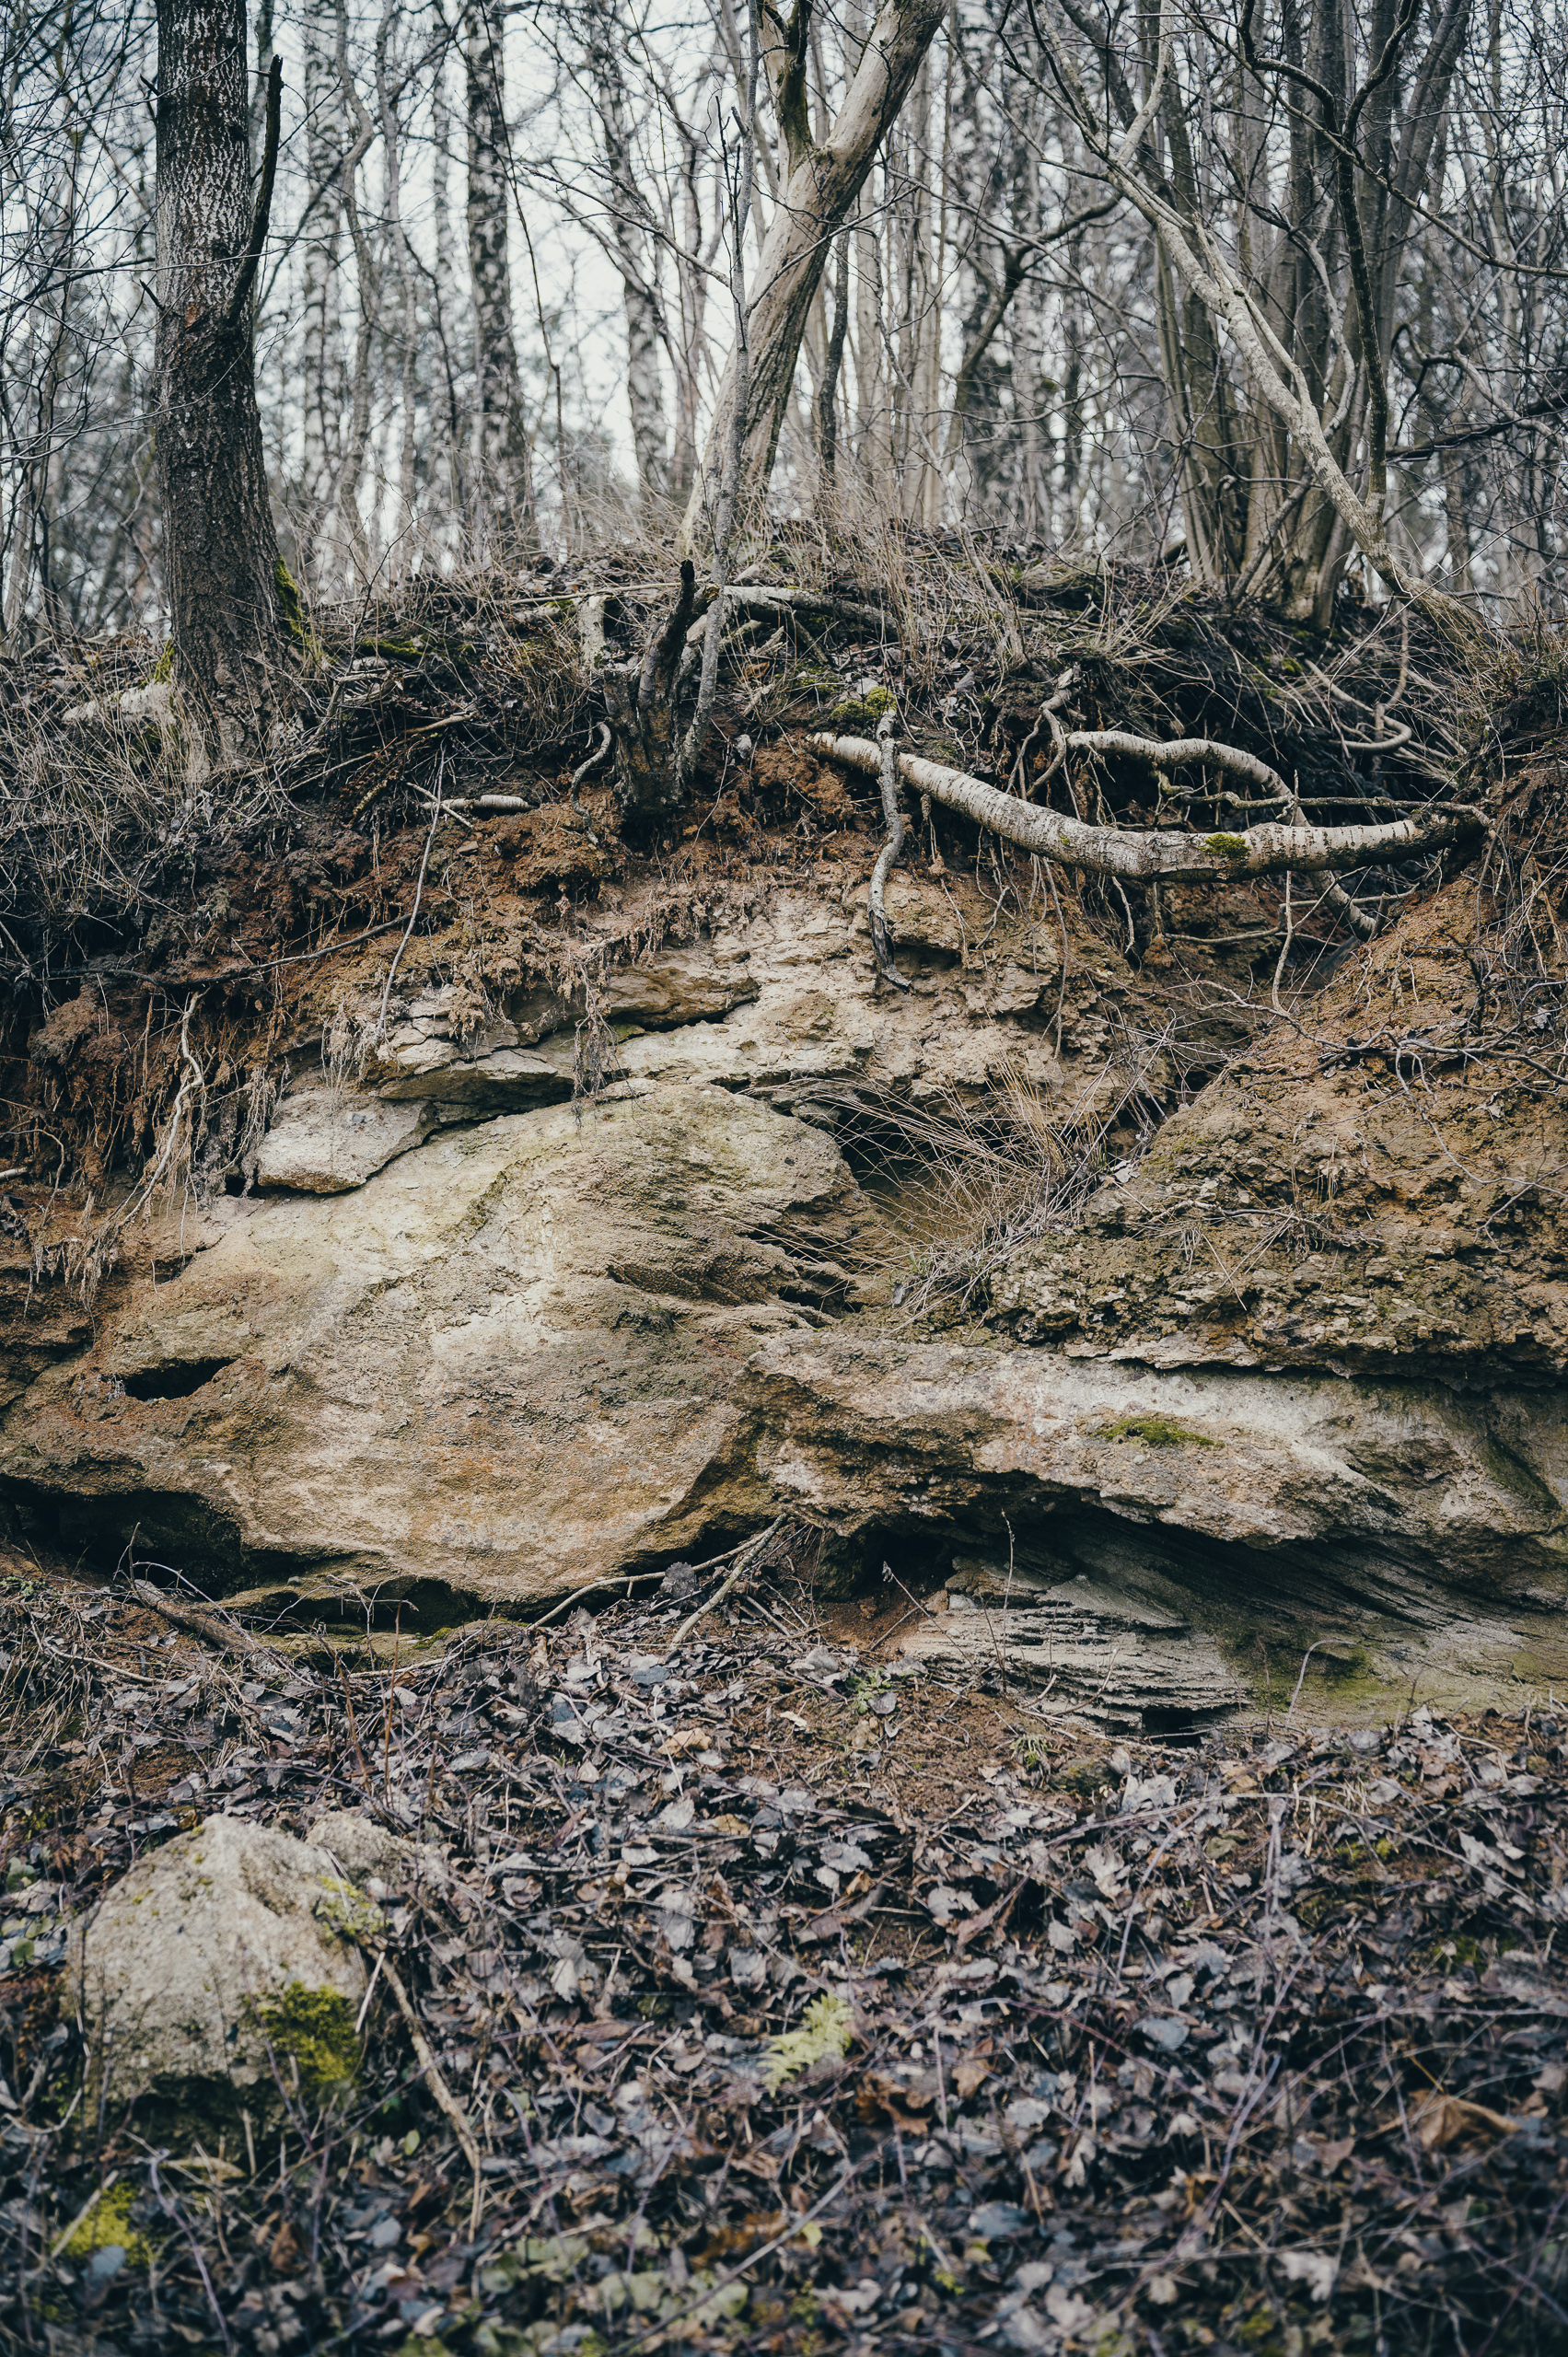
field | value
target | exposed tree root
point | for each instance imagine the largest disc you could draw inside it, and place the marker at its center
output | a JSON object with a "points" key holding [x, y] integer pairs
{"points": [[1144, 856]]}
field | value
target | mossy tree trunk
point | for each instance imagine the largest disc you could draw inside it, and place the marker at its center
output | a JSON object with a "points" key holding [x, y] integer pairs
{"points": [[231, 642]]}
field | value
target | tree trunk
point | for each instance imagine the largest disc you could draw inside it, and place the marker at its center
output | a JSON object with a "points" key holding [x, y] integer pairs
{"points": [[636, 256], [822, 185], [221, 551], [502, 490], [320, 350], [827, 390]]}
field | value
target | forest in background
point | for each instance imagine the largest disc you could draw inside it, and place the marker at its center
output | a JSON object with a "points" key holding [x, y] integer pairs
{"points": [[500, 284]]}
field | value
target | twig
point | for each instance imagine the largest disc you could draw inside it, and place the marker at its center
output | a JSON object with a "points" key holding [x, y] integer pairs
{"points": [[445, 2102], [1302, 1679], [596, 1587], [212, 1629], [170, 2212], [765, 2250], [747, 1553], [418, 894]]}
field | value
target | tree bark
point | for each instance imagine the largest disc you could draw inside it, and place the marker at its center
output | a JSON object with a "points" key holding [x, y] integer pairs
{"points": [[636, 256], [822, 185], [827, 390], [320, 352], [502, 489], [221, 549]]}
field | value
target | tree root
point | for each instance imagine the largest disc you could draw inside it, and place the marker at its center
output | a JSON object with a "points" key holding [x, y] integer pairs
{"points": [[1146, 855], [887, 856]]}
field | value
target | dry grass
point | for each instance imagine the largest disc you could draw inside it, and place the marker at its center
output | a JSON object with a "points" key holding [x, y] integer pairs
{"points": [[971, 1181]]}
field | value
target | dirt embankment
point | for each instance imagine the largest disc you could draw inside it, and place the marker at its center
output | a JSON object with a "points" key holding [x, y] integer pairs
{"points": [[426, 1209]]}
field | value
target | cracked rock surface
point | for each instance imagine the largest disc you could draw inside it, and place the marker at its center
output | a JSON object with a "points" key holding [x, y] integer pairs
{"points": [[1291, 1376]]}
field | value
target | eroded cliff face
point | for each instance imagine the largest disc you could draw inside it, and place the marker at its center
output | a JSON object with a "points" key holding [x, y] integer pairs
{"points": [[1292, 1377]]}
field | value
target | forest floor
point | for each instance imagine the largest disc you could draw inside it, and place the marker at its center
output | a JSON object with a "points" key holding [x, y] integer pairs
{"points": [[798, 2001]]}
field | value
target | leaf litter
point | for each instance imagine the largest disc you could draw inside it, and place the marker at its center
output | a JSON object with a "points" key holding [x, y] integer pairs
{"points": [[777, 2022]]}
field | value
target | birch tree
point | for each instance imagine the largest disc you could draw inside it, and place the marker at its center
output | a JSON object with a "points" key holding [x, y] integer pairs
{"points": [[634, 246], [501, 486]]}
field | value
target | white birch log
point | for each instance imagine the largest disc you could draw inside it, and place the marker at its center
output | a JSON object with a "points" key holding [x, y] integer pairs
{"points": [[1148, 855]]}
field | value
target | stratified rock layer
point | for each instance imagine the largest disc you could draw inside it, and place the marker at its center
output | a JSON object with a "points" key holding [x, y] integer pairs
{"points": [[1292, 1379]]}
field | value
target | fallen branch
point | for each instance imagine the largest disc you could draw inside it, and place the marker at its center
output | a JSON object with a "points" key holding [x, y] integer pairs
{"points": [[214, 1629], [746, 1557], [445, 2100], [1147, 856]]}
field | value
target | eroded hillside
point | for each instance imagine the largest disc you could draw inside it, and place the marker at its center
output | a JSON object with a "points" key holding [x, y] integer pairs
{"points": [[426, 1194]]}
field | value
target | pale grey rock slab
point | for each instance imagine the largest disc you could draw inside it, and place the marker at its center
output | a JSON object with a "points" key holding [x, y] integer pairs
{"points": [[509, 1080], [324, 1142]]}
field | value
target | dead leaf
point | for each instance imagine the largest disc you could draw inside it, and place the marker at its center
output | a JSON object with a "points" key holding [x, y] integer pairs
{"points": [[282, 2257], [1440, 2120]]}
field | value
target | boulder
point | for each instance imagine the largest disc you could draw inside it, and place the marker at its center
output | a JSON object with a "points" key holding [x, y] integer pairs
{"points": [[221, 1964], [370, 1853]]}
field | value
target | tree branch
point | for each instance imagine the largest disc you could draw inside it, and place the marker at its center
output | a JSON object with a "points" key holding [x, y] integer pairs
{"points": [[1146, 856]]}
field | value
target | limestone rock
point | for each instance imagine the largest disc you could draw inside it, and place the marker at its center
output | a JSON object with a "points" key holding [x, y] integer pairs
{"points": [[219, 1960], [1083, 1649], [1295, 1375], [323, 1142], [505, 1365], [1253, 1511], [368, 1852], [506, 1080]]}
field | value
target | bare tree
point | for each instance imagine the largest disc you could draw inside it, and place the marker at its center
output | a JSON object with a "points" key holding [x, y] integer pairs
{"points": [[634, 245], [819, 185], [1304, 288], [221, 551]]}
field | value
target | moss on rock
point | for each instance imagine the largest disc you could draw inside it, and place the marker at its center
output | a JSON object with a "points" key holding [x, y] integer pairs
{"points": [[314, 2029], [106, 2226], [1159, 1431]]}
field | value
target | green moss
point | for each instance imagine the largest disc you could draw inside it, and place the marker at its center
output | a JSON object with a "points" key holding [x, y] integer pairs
{"points": [[345, 1908], [1341, 1664], [1159, 1431], [106, 2226], [164, 668], [291, 606], [314, 2029], [1231, 847], [864, 711]]}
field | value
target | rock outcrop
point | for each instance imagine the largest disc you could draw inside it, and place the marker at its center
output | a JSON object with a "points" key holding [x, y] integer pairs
{"points": [[1290, 1376]]}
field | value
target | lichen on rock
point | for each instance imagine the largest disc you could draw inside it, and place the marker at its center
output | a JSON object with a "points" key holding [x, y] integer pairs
{"points": [[222, 1967]]}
